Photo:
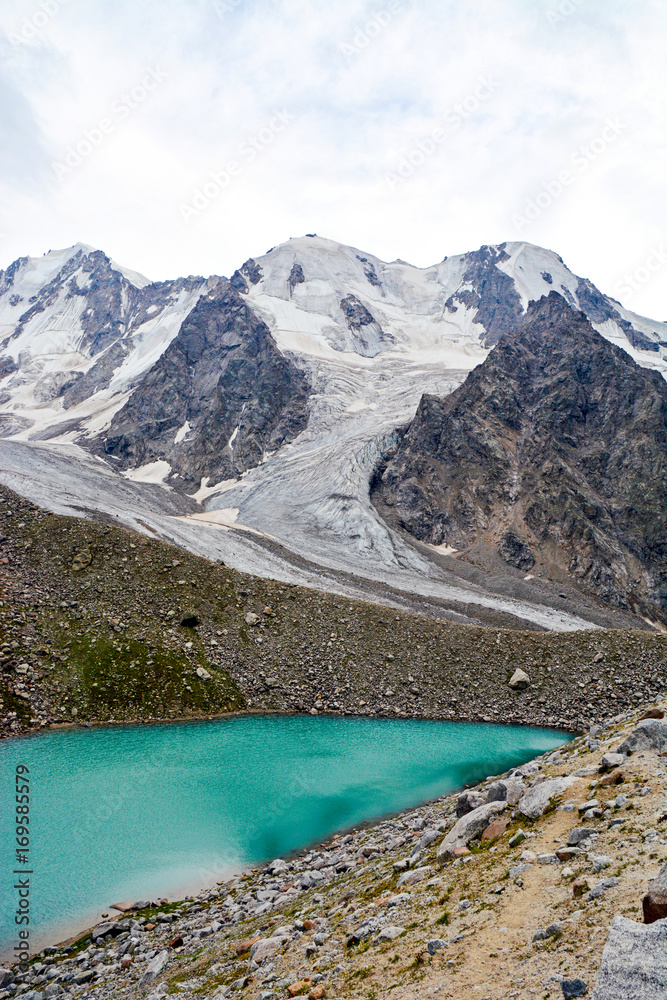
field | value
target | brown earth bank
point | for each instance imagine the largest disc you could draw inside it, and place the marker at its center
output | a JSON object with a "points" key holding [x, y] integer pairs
{"points": [[99, 624], [532, 883]]}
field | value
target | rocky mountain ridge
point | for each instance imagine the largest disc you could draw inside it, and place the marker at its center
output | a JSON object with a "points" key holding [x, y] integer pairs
{"points": [[271, 440], [552, 456]]}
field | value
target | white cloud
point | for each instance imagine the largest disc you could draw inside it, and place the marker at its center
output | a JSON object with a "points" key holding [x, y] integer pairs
{"points": [[365, 85]]}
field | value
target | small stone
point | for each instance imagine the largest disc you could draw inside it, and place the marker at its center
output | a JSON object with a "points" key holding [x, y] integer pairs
{"points": [[567, 853], [517, 838], [528, 857], [580, 888], [390, 932], [547, 859], [252, 619], [203, 673], [591, 804], [601, 887], [519, 680], [573, 988], [317, 993], [578, 834], [82, 559], [190, 620], [435, 945], [609, 761], [600, 862]]}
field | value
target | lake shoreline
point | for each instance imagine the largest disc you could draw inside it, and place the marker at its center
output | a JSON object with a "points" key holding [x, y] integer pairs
{"points": [[384, 907], [444, 766]]}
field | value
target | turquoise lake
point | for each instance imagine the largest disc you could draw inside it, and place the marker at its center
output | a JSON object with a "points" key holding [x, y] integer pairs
{"points": [[137, 812]]}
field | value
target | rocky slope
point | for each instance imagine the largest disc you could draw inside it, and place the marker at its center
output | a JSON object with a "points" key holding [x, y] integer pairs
{"points": [[98, 623], [551, 457], [552, 888], [219, 398]]}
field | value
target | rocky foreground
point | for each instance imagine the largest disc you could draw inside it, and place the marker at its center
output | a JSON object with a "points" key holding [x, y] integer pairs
{"points": [[545, 881]]}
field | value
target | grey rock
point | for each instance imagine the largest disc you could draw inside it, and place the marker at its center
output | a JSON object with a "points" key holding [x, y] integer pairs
{"points": [[650, 734], [538, 798], [467, 801], [599, 889], [389, 932], [546, 932], [155, 967], [435, 945], [414, 877], [507, 790], [573, 988], [84, 977], [6, 977], [519, 680], [467, 828], [276, 866], [634, 962], [102, 930], [608, 761], [519, 869], [266, 948], [578, 835]]}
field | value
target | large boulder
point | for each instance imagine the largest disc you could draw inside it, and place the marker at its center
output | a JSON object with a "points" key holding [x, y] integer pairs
{"points": [[467, 828], [651, 734], [537, 799], [654, 903], [634, 962]]}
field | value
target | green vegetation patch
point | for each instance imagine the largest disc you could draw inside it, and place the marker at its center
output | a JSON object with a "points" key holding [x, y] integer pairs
{"points": [[110, 678]]}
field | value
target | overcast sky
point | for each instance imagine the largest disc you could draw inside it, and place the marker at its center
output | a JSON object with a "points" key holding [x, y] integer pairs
{"points": [[183, 136]]}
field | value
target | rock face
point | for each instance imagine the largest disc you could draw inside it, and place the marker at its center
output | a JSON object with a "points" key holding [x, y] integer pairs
{"points": [[219, 398], [552, 453], [634, 962]]}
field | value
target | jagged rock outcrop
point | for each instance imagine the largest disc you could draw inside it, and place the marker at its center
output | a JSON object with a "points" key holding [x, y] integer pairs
{"points": [[219, 398], [490, 291], [552, 454]]}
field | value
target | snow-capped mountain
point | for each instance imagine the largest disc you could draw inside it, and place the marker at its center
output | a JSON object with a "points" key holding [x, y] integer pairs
{"points": [[265, 402]]}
